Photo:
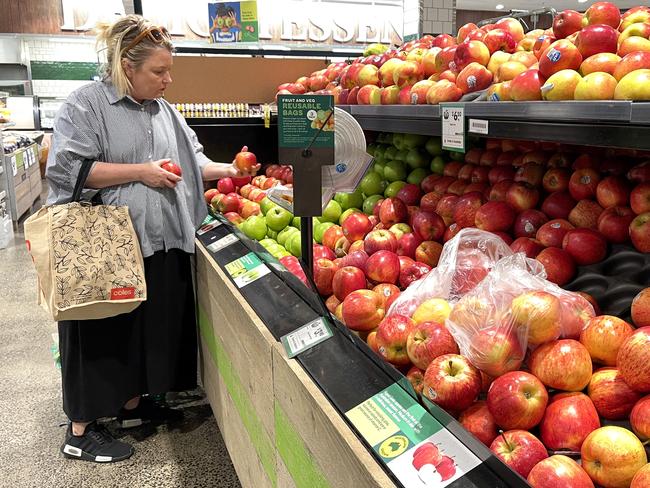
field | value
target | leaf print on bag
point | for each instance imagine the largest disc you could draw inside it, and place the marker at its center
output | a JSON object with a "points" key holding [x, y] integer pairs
{"points": [[68, 243], [79, 271], [125, 245], [62, 286], [61, 262], [82, 294]]}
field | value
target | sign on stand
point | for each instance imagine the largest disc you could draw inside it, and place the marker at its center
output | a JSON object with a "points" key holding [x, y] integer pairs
{"points": [[417, 449], [453, 127], [246, 269], [306, 140]]}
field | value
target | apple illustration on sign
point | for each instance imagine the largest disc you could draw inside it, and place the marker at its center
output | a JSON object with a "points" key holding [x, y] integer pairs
{"points": [[432, 465]]}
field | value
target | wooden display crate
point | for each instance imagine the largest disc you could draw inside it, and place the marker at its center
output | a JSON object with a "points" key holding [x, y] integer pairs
{"points": [[280, 430]]}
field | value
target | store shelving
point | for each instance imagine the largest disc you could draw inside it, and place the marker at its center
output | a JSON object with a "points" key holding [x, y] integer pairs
{"points": [[620, 124]]}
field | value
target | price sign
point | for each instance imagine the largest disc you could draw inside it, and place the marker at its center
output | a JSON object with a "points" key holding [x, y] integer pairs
{"points": [[246, 270], [223, 242], [453, 127], [208, 227], [306, 337]]}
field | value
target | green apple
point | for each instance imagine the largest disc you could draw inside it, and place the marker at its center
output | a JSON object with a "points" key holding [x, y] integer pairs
{"points": [[293, 245], [378, 167], [268, 242], [398, 140], [416, 176], [415, 159], [457, 156], [370, 202], [371, 148], [274, 249], [437, 165], [347, 213], [296, 223], [401, 155], [414, 140], [380, 150], [349, 200], [285, 233], [394, 171], [332, 212], [278, 218], [254, 227], [434, 146], [372, 184], [271, 234], [320, 229], [266, 204], [283, 253], [381, 138], [390, 153], [393, 188]]}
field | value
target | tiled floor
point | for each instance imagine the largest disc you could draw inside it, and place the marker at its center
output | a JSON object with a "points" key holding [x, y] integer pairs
{"points": [[190, 455]]}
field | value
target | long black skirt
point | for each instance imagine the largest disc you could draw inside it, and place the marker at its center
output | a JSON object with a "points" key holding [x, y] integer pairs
{"points": [[151, 350]]}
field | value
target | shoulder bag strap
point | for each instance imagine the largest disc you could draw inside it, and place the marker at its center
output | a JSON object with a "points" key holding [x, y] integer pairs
{"points": [[84, 171]]}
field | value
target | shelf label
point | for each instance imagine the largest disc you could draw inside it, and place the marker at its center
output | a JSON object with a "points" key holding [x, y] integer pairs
{"points": [[14, 167], [453, 127], [306, 337], [246, 270], [207, 227], [479, 126], [222, 243], [417, 449]]}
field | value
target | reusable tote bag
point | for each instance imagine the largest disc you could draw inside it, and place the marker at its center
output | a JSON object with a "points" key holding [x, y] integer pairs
{"points": [[87, 258]]}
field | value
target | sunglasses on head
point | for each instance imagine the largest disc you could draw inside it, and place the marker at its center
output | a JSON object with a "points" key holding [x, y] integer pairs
{"points": [[157, 35]]}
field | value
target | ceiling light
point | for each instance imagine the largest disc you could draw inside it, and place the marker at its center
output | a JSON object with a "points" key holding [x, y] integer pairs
{"points": [[582, 1], [500, 6]]}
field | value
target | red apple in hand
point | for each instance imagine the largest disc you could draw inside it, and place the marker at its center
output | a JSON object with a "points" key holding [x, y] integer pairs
{"points": [[173, 168], [392, 335], [452, 382], [611, 456], [520, 450], [551, 361], [633, 360], [245, 161], [613, 398], [478, 420], [427, 341], [559, 472], [362, 310], [517, 400], [568, 420]]}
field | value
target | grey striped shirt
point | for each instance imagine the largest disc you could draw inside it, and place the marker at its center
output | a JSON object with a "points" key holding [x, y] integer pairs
{"points": [[95, 124]]}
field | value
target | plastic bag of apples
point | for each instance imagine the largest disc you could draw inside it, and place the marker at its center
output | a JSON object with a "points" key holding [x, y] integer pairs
{"points": [[465, 261], [513, 308]]}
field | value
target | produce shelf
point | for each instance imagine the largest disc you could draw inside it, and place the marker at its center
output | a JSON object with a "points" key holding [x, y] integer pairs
{"points": [[343, 369], [619, 124]]}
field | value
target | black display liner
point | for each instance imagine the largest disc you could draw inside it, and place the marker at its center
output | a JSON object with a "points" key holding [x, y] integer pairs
{"points": [[615, 281], [345, 369]]}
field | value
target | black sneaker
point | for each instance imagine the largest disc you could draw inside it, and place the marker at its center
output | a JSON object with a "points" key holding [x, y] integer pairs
{"points": [[96, 444], [148, 411]]}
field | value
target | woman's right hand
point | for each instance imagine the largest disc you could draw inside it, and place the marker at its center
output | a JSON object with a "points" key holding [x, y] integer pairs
{"points": [[153, 175]]}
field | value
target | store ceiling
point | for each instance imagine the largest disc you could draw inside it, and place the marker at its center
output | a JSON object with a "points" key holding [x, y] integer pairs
{"points": [[536, 4]]}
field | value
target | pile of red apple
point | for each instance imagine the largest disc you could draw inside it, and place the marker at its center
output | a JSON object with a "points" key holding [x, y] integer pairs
{"points": [[598, 55]]}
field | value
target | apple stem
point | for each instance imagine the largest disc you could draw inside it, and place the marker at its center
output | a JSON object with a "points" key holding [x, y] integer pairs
{"points": [[503, 435], [646, 443]]}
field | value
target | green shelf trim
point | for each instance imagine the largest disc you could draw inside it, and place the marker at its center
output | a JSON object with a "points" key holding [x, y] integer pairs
{"points": [[63, 70], [257, 435]]}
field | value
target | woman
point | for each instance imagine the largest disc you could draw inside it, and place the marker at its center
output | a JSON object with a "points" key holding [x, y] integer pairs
{"points": [[126, 131]]}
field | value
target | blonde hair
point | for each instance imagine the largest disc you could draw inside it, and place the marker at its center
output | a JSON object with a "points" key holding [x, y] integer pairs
{"points": [[113, 38]]}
